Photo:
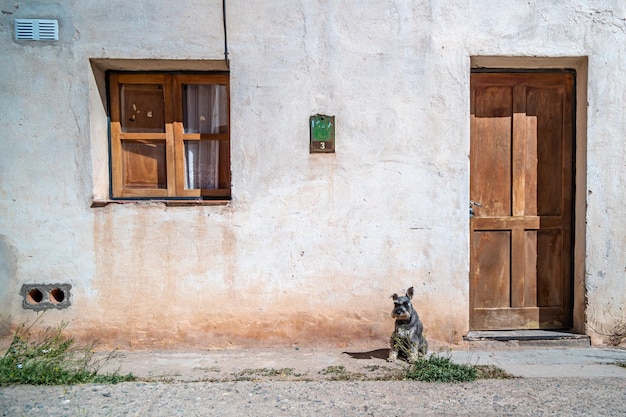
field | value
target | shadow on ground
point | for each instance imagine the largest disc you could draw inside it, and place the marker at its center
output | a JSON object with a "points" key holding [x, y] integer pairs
{"points": [[372, 354]]}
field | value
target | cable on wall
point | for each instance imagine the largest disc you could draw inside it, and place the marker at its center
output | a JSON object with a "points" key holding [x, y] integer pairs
{"points": [[225, 33]]}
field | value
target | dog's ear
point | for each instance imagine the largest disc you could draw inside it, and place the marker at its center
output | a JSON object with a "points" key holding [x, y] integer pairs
{"points": [[409, 293], [395, 297]]}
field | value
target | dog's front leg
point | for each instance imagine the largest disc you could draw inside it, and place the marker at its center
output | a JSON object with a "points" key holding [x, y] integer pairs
{"points": [[393, 352]]}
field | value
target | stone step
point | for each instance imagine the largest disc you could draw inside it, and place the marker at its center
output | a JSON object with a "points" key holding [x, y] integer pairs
{"points": [[550, 338]]}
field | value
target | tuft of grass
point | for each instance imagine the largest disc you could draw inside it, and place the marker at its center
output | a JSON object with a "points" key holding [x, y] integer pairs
{"points": [[404, 348], [50, 358], [621, 363], [340, 373], [617, 334], [268, 372], [282, 374], [333, 370], [492, 372], [437, 368], [440, 369]]}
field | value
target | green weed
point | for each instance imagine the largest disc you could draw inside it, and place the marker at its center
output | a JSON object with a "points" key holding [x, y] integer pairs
{"points": [[282, 374], [50, 358], [491, 372], [340, 373], [437, 368], [440, 369], [268, 372]]}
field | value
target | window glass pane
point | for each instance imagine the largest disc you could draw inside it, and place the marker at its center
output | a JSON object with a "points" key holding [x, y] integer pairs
{"points": [[143, 164], [205, 108], [142, 108], [201, 164]]}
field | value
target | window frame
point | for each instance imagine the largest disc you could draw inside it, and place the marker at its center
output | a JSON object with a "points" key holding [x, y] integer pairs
{"points": [[173, 135]]}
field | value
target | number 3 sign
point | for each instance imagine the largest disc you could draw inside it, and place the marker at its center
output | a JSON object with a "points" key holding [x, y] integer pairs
{"points": [[322, 134]]}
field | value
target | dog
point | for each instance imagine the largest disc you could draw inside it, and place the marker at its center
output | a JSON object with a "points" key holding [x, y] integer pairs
{"points": [[407, 339]]}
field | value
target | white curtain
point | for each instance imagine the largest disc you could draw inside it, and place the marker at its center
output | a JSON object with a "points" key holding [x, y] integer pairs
{"points": [[205, 111]]}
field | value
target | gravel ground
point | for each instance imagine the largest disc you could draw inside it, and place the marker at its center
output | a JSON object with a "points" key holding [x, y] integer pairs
{"points": [[516, 397], [331, 382]]}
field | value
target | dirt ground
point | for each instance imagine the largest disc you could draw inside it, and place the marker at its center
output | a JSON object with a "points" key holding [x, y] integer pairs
{"points": [[516, 397], [333, 382]]}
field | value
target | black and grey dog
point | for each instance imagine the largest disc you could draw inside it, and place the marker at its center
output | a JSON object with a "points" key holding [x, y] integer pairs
{"points": [[407, 340]]}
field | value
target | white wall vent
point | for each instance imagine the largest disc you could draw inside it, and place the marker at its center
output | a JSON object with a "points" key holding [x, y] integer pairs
{"points": [[37, 29]]}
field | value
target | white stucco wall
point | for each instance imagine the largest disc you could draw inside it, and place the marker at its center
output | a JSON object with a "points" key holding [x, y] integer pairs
{"points": [[311, 246]]}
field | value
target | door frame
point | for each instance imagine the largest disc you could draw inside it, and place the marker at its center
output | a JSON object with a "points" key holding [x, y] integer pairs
{"points": [[580, 66]]}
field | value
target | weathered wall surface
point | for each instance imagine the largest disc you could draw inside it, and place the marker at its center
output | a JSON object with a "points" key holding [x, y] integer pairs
{"points": [[311, 246]]}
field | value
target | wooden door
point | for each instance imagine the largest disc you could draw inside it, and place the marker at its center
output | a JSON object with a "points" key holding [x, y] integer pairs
{"points": [[521, 171]]}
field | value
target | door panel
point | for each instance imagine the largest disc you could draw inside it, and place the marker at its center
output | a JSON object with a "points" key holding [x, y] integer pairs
{"points": [[549, 249], [492, 256], [521, 175], [494, 113]]}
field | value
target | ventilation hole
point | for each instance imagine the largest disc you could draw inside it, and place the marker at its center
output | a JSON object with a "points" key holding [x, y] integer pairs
{"points": [[56, 296], [34, 296], [37, 29]]}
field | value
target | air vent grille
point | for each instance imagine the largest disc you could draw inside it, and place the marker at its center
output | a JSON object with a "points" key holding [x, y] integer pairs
{"points": [[37, 29]]}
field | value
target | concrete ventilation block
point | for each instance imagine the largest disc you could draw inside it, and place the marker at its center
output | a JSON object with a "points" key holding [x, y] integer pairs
{"points": [[45, 296]]}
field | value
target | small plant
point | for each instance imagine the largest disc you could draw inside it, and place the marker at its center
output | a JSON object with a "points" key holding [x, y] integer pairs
{"points": [[492, 372], [440, 369], [617, 334], [267, 372], [50, 358], [282, 374], [437, 368], [340, 373], [404, 347], [333, 369]]}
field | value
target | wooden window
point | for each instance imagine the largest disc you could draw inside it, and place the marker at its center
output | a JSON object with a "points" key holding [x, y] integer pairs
{"points": [[170, 136]]}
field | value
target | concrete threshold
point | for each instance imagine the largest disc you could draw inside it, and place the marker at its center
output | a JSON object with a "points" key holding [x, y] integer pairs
{"points": [[552, 338]]}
